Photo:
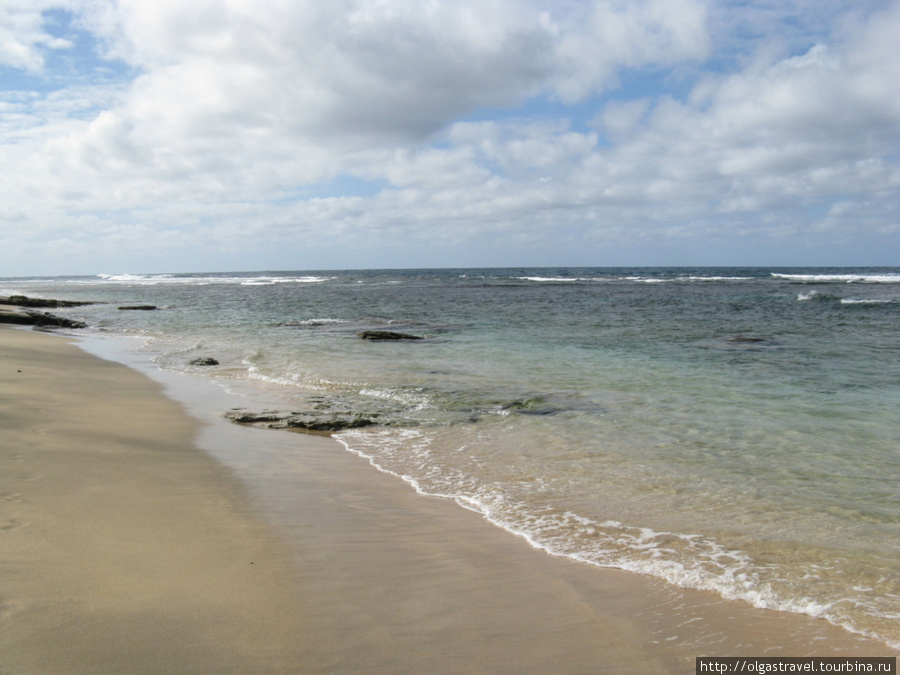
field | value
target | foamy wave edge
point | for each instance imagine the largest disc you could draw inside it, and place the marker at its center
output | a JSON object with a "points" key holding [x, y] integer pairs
{"points": [[734, 584]]}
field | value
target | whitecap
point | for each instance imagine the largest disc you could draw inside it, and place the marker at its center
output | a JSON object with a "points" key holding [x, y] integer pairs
{"points": [[840, 278], [867, 301], [551, 279]]}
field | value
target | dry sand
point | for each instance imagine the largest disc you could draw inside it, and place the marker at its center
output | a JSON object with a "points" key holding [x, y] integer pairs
{"points": [[122, 548], [126, 549]]}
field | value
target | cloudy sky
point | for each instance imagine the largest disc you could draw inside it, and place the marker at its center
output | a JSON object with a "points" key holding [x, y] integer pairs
{"points": [[213, 135]]}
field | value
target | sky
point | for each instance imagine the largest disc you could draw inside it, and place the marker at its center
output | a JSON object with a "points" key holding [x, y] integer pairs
{"points": [[142, 136]]}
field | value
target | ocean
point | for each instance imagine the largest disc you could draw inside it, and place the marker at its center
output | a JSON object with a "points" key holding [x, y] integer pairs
{"points": [[734, 430]]}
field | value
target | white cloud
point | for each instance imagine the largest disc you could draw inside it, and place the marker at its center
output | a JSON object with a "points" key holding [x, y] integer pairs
{"points": [[239, 89], [605, 36], [23, 34], [620, 118], [240, 111]]}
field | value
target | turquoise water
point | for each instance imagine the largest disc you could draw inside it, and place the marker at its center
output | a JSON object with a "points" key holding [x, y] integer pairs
{"points": [[726, 429]]}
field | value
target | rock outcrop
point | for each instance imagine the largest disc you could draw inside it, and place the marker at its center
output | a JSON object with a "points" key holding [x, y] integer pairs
{"points": [[25, 301], [387, 335], [327, 423], [39, 319], [204, 361]]}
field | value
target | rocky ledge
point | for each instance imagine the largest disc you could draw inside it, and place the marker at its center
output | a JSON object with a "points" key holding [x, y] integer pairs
{"points": [[28, 316], [327, 423], [25, 301], [39, 319]]}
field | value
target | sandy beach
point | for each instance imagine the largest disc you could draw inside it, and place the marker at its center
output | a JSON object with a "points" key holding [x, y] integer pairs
{"points": [[124, 549], [128, 548]]}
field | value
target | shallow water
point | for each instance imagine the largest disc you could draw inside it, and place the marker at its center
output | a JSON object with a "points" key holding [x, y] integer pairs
{"points": [[727, 429]]}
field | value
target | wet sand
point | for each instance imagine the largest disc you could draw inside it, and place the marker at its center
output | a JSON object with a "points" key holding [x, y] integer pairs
{"points": [[125, 547]]}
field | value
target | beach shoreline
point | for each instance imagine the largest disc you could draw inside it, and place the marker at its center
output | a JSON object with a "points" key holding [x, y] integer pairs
{"points": [[128, 548]]}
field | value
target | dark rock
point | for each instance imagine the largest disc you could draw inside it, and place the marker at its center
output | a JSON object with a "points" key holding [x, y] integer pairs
{"points": [[204, 361], [144, 308], [30, 317], [326, 423], [240, 417], [40, 319], [386, 335], [25, 301], [745, 338], [17, 319], [45, 319], [329, 424]]}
